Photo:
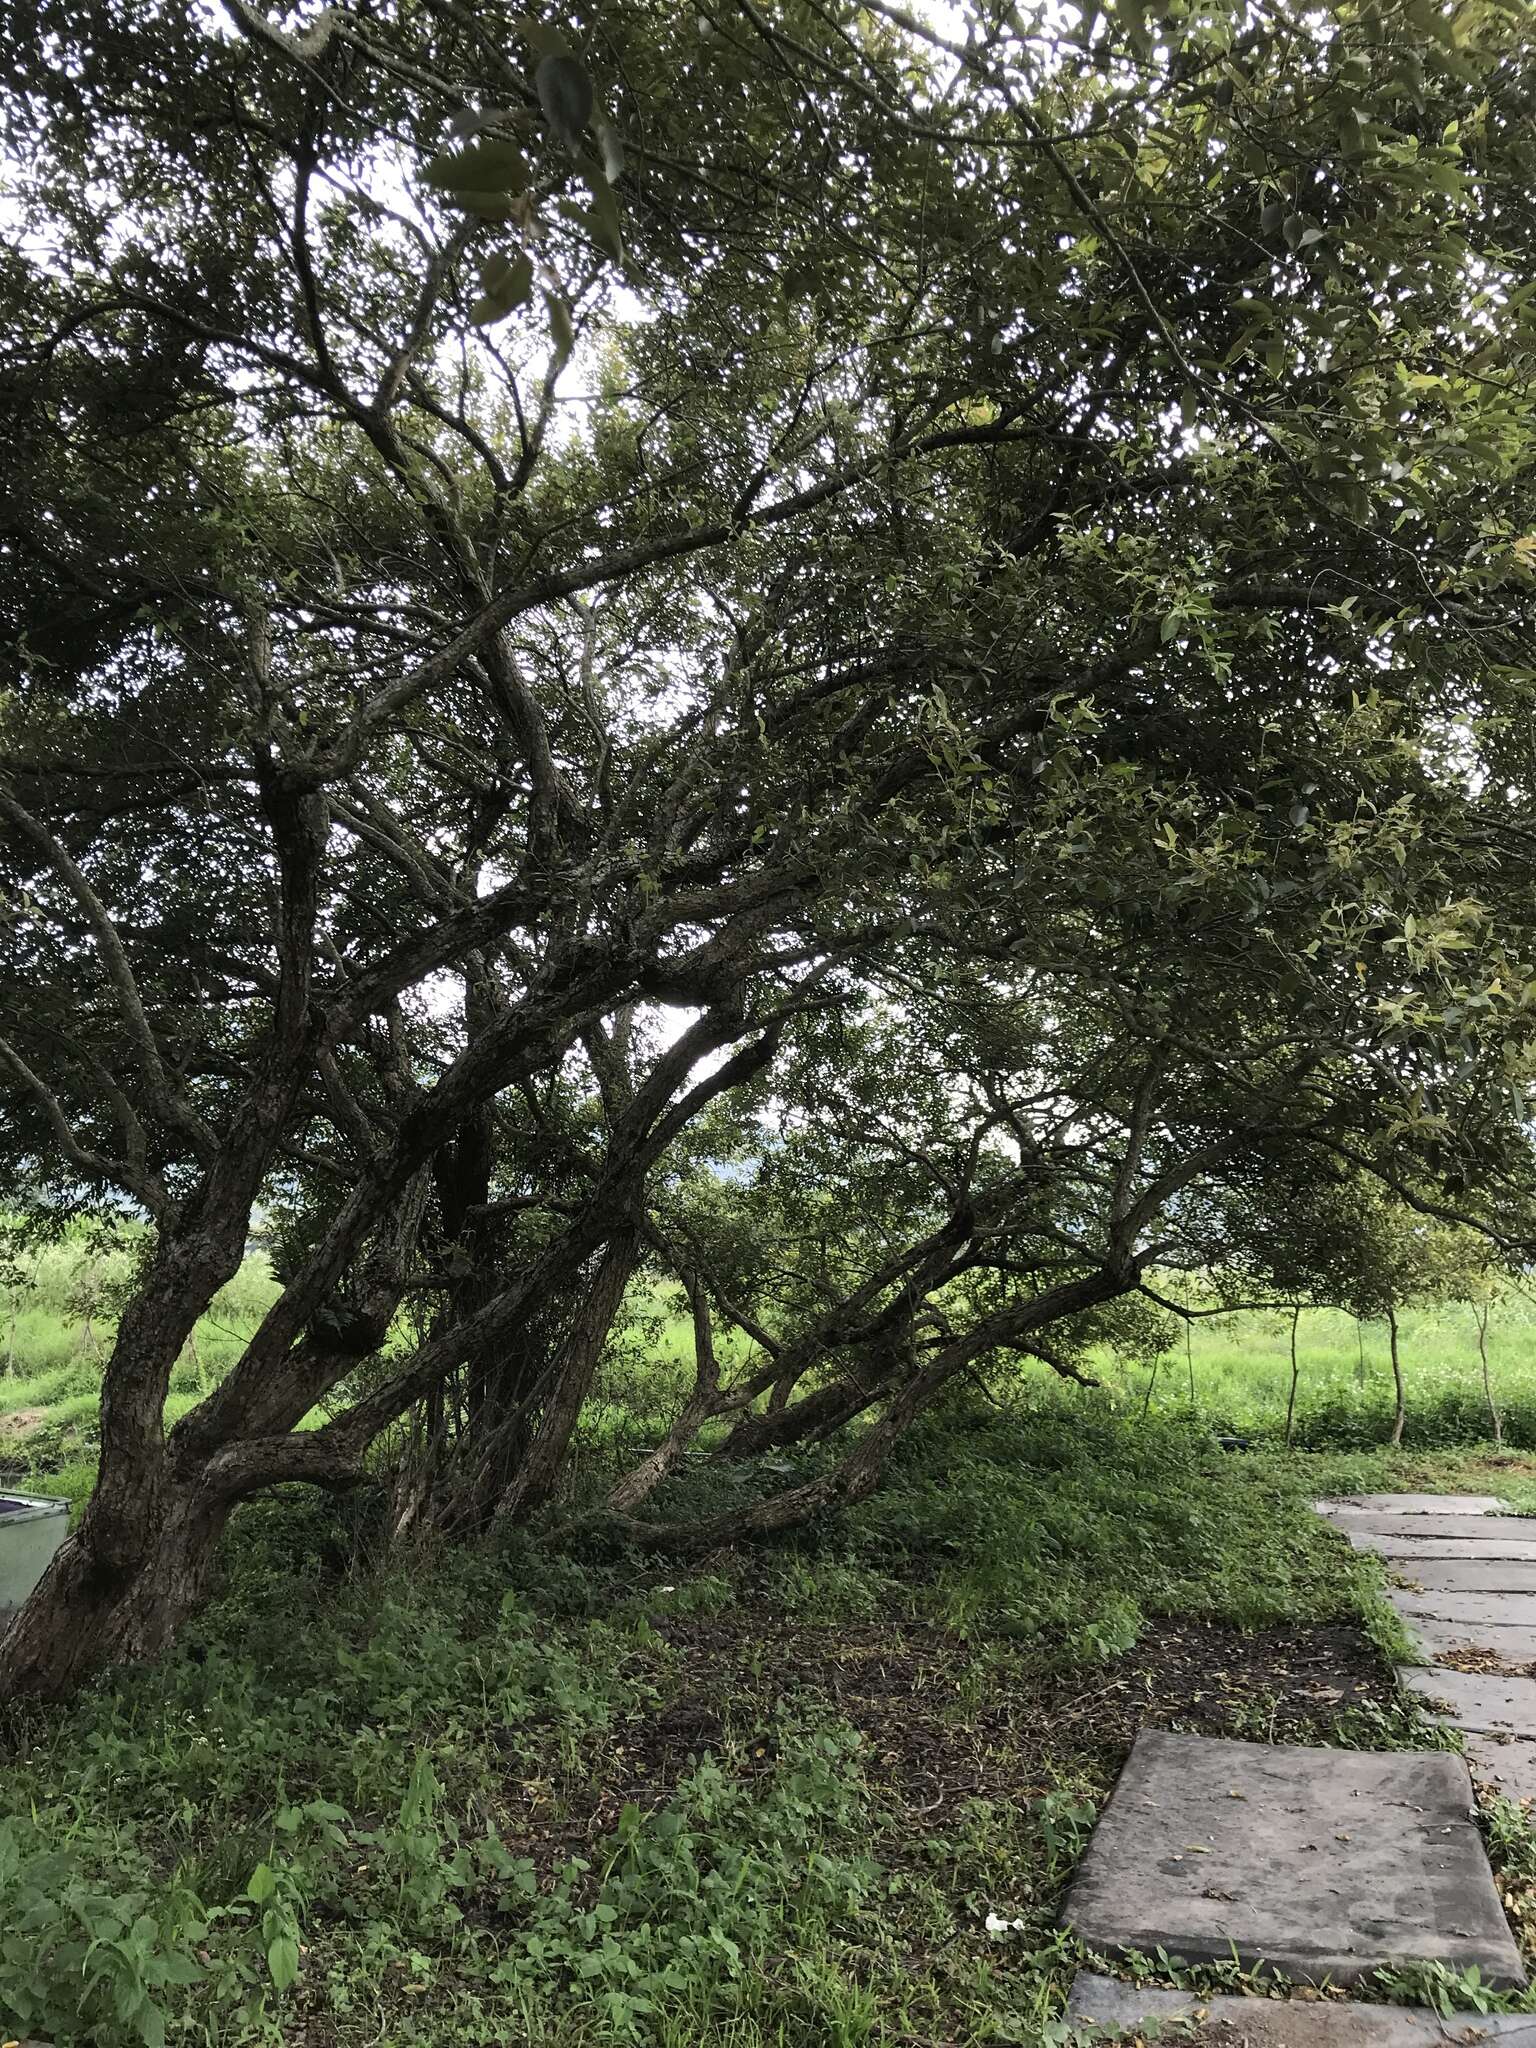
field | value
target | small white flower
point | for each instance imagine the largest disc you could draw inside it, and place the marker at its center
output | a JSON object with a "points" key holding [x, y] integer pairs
{"points": [[997, 1925]]}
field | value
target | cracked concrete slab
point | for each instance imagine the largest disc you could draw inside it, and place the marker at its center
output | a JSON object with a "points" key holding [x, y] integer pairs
{"points": [[1478, 1610], [1410, 1504], [1403, 1551], [1327, 1864], [1443, 1528], [1504, 1762], [1438, 1639], [1486, 1702], [1465, 1574], [1287, 2023]]}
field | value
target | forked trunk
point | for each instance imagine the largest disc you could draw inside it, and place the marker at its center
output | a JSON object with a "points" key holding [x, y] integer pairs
{"points": [[1495, 1420], [1400, 1412], [534, 1484], [815, 1416], [90, 1611], [1290, 1405]]}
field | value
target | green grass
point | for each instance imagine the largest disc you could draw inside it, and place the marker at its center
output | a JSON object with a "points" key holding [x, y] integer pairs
{"points": [[574, 1796], [1232, 1372], [57, 1325], [436, 1801], [1236, 1370]]}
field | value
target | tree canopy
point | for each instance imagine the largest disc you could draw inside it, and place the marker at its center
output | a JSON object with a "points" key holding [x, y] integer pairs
{"points": [[880, 666]]}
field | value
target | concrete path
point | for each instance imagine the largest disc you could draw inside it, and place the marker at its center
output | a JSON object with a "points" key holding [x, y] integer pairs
{"points": [[1464, 1583], [1330, 1864], [1345, 1504], [1286, 2023], [1327, 1864]]}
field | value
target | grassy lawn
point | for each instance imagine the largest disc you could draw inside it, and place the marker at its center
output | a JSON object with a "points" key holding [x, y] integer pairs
{"points": [[574, 1795], [1235, 1371]]}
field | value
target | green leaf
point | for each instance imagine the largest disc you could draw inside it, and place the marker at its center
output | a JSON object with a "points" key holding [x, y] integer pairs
{"points": [[548, 41], [1352, 133], [489, 205], [602, 220], [505, 283], [149, 2019], [262, 1885], [283, 1961], [610, 148], [1132, 17], [560, 325], [565, 94], [495, 165]]}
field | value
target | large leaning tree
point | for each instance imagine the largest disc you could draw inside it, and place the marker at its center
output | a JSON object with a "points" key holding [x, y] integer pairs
{"points": [[577, 589]]}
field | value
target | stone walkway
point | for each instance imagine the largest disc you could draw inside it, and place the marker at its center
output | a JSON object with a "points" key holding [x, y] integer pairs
{"points": [[1104, 2002], [1464, 1583], [1330, 1864]]}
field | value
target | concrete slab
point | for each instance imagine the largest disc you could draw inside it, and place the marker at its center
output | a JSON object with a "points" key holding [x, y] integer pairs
{"points": [[1479, 1610], [1326, 1863], [1441, 1639], [1444, 1528], [1508, 1765], [1410, 1504], [1465, 1574], [1487, 1702], [1286, 2023], [1402, 1550]]}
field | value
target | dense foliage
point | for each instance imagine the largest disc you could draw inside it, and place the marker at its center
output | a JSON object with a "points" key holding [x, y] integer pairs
{"points": [[878, 667]]}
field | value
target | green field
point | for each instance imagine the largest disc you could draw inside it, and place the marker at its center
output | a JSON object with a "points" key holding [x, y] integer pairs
{"points": [[573, 1796], [1235, 1371], [560, 1792], [1232, 1372]]}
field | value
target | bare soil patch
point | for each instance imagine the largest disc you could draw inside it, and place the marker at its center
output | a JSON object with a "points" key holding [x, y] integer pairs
{"points": [[945, 1726]]}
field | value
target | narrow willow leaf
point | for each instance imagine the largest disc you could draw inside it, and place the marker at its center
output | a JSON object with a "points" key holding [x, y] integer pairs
{"points": [[610, 148], [603, 222]]}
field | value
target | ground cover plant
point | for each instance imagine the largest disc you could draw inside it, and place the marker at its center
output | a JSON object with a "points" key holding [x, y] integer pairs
{"points": [[397, 1796], [556, 1794]]}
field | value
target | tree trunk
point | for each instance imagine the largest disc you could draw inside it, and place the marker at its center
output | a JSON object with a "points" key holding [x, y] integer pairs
{"points": [[1496, 1421], [575, 1367], [637, 1485], [88, 1612], [1400, 1413], [815, 1415], [1290, 1406], [858, 1473]]}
